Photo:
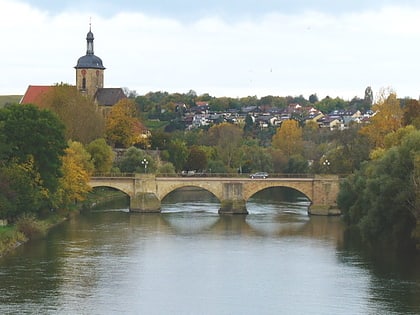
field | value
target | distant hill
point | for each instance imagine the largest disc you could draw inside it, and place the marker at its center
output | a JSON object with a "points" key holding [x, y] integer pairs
{"points": [[9, 99]]}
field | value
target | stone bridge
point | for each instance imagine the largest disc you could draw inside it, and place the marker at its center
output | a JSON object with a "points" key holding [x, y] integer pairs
{"points": [[146, 191]]}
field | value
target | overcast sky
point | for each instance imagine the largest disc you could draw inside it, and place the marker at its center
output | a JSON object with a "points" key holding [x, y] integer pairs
{"points": [[231, 48]]}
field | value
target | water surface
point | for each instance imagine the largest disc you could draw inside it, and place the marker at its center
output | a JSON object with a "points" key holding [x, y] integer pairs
{"points": [[190, 260]]}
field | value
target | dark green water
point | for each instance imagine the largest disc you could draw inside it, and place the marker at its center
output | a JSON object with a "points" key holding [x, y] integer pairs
{"points": [[190, 260]]}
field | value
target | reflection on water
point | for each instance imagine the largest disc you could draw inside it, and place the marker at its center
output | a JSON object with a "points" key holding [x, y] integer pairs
{"points": [[190, 260]]}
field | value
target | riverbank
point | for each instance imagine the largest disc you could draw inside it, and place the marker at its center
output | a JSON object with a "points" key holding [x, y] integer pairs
{"points": [[27, 228]]}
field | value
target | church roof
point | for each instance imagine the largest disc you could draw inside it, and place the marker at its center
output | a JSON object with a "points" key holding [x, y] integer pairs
{"points": [[89, 61], [109, 96], [34, 93]]}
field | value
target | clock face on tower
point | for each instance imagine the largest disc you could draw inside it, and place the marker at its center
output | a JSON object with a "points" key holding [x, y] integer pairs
{"points": [[83, 72]]}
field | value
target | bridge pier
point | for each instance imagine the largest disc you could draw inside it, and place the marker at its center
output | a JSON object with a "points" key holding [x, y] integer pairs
{"points": [[233, 206], [325, 191], [233, 201], [145, 202]]}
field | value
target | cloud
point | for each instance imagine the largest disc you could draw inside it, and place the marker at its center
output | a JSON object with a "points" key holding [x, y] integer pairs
{"points": [[277, 54]]}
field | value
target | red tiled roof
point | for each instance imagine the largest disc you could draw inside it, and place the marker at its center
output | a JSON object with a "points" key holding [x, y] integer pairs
{"points": [[34, 93]]}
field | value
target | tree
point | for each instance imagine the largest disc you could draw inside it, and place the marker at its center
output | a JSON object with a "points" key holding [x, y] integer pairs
{"points": [[288, 138], [76, 168], [227, 138], [83, 120], [21, 190], [133, 161], [178, 153], [388, 118], [123, 129], [101, 154], [368, 100], [196, 160], [381, 199], [31, 134], [249, 125], [411, 113], [313, 98]]}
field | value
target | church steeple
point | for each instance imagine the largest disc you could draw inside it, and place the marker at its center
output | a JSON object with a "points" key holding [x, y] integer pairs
{"points": [[89, 69], [89, 40]]}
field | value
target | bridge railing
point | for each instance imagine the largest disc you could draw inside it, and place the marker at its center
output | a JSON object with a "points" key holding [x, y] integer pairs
{"points": [[195, 175]]}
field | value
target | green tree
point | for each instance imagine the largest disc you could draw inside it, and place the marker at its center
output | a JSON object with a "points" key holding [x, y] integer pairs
{"points": [[313, 98], [178, 153], [21, 190], [101, 154], [381, 198], [226, 138], [196, 160], [133, 161], [31, 134]]}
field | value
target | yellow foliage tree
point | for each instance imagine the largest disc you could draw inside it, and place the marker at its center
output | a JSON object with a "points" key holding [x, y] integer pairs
{"points": [[76, 169], [288, 138], [388, 118], [123, 128]]}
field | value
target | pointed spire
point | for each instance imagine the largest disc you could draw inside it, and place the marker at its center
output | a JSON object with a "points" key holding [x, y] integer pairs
{"points": [[89, 39]]}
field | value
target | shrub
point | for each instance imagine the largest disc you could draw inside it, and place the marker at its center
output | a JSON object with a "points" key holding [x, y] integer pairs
{"points": [[30, 226]]}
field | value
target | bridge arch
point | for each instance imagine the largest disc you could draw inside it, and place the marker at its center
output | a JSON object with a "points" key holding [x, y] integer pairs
{"points": [[306, 188], [113, 187], [288, 187], [214, 190], [181, 189]]}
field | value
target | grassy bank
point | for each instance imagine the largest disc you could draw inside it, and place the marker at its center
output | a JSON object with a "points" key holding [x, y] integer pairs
{"points": [[26, 228], [10, 238]]}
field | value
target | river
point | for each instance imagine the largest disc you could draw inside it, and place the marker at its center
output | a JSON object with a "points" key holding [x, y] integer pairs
{"points": [[190, 260]]}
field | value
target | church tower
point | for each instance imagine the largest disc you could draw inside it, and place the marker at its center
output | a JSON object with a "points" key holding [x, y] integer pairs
{"points": [[89, 70]]}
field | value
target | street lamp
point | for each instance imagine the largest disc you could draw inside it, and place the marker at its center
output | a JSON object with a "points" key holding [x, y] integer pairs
{"points": [[326, 164], [145, 162]]}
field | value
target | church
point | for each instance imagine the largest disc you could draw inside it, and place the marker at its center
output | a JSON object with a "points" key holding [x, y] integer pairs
{"points": [[89, 81]]}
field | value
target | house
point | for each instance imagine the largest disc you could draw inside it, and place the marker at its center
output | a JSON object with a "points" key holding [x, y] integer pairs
{"points": [[331, 122], [35, 93]]}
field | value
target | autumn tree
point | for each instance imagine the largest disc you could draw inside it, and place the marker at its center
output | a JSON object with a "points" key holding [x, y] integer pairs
{"points": [[288, 138], [76, 168], [387, 118], [411, 114], [83, 120], [123, 128]]}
